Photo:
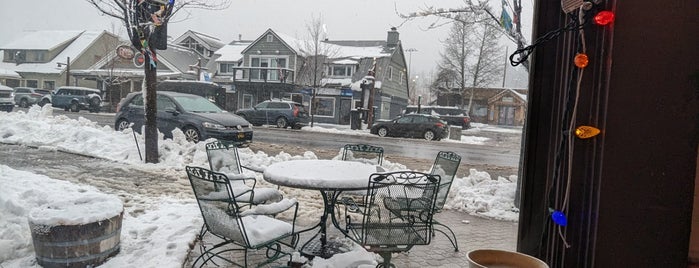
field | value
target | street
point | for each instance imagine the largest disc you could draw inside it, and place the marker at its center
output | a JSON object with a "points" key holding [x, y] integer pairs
{"points": [[494, 153]]}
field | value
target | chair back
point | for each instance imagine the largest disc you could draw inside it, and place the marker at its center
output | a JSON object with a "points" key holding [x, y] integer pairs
{"points": [[399, 213], [218, 207], [445, 165], [363, 153], [223, 157]]}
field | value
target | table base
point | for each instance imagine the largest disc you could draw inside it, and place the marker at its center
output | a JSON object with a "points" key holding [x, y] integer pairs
{"points": [[315, 248]]}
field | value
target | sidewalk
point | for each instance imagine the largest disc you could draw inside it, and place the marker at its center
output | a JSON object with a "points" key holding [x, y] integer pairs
{"points": [[471, 233]]}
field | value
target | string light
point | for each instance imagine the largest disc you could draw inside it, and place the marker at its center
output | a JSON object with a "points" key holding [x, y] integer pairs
{"points": [[586, 132], [604, 17], [581, 60], [559, 218]]}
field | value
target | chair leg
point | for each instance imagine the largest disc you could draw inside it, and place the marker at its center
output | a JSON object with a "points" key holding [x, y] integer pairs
{"points": [[386, 260], [452, 237]]}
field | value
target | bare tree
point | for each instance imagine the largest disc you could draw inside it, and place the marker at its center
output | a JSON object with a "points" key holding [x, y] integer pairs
{"points": [[445, 16], [471, 52], [146, 23], [315, 60]]}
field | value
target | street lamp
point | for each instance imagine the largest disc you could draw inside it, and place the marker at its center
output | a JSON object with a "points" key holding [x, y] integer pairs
{"points": [[67, 64], [410, 59]]}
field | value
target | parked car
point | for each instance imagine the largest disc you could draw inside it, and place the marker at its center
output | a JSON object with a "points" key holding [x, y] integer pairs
{"points": [[7, 101], [281, 113], [74, 99], [424, 126], [196, 116], [452, 114], [28, 96]]}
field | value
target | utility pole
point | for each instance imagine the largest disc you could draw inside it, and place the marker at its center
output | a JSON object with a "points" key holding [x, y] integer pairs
{"points": [[67, 64]]}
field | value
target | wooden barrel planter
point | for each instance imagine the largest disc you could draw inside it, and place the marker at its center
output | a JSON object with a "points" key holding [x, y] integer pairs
{"points": [[76, 242]]}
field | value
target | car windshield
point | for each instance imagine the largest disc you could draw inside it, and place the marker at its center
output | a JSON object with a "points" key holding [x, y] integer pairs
{"points": [[197, 104]]}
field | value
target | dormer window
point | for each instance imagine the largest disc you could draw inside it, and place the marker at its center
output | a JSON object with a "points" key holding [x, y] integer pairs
{"points": [[340, 70], [270, 38]]}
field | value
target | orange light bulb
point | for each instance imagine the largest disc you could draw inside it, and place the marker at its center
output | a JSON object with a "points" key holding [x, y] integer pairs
{"points": [[586, 132], [581, 60]]}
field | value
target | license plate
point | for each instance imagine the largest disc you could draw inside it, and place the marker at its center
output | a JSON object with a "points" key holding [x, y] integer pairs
{"points": [[241, 135]]}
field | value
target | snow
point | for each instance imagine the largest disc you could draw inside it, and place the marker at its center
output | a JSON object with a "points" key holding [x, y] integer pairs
{"points": [[321, 174], [157, 230]]}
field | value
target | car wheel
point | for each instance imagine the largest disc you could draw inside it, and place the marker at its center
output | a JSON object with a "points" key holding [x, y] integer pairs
{"points": [[192, 134], [74, 107], [43, 102], [282, 122], [95, 105], [429, 135], [122, 124], [382, 132], [23, 103]]}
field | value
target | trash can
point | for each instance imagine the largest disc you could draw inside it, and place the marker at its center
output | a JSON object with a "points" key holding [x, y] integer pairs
{"points": [[455, 133], [355, 121]]}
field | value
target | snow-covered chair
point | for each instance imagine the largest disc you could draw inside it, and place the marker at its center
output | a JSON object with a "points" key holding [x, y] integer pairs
{"points": [[398, 214], [239, 228], [223, 158], [445, 165], [363, 153]]}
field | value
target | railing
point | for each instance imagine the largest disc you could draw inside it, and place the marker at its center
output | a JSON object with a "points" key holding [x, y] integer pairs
{"points": [[264, 74]]}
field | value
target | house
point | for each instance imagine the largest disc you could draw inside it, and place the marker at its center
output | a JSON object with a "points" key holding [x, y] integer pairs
{"points": [[45, 59], [497, 106], [276, 65], [203, 44]]}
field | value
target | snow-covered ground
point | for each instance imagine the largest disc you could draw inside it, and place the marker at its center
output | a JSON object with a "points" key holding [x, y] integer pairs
{"points": [[157, 230]]}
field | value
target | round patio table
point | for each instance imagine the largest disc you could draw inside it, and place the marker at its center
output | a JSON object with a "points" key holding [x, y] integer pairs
{"points": [[330, 177]]}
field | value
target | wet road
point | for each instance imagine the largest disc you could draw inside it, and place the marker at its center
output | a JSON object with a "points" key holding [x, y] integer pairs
{"points": [[505, 156]]}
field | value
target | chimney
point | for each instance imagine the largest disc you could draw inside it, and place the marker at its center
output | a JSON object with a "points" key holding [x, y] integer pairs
{"points": [[392, 39], [240, 37]]}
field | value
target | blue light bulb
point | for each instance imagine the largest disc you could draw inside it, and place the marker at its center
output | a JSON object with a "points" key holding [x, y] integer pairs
{"points": [[559, 218]]}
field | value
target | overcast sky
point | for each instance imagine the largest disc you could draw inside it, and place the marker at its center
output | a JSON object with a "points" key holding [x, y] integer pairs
{"points": [[344, 19]]}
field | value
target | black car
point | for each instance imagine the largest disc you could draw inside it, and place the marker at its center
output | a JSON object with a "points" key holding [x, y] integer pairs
{"points": [[196, 116], [413, 126], [281, 113], [452, 114]]}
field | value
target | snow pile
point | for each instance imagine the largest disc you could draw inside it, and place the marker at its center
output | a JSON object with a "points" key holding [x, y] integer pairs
{"points": [[478, 194]]}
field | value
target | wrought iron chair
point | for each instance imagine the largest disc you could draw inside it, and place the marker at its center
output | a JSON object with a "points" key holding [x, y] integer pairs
{"points": [[239, 228], [391, 222], [445, 165], [363, 153], [223, 158]]}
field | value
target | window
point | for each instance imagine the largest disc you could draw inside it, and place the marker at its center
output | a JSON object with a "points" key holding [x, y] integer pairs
{"points": [[271, 68], [389, 73], [508, 99], [49, 84], [278, 105], [247, 101], [270, 38], [165, 103], [262, 105], [137, 101], [405, 120], [226, 68], [32, 83], [402, 76], [296, 97], [324, 106], [341, 70]]}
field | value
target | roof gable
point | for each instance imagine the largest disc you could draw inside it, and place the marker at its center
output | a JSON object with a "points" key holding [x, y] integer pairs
{"points": [[43, 40], [212, 43]]}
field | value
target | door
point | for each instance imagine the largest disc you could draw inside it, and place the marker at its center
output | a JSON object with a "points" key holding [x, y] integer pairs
{"points": [[345, 107], [259, 114], [166, 118], [506, 115]]}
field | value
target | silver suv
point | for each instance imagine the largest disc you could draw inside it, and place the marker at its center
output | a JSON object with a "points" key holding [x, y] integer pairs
{"points": [[28, 96], [74, 99]]}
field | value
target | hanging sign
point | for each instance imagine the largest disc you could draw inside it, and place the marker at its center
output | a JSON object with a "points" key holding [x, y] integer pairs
{"points": [[139, 59], [125, 52]]}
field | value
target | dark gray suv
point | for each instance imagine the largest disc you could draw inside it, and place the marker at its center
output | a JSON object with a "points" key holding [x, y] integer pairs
{"points": [[281, 113], [74, 99], [197, 117]]}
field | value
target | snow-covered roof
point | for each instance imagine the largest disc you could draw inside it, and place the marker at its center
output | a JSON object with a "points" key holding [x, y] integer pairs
{"points": [[208, 40], [42, 40], [232, 52], [5, 73], [346, 62], [73, 50]]}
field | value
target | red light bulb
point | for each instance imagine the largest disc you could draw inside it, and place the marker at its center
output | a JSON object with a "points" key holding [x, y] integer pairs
{"points": [[580, 60], [604, 17]]}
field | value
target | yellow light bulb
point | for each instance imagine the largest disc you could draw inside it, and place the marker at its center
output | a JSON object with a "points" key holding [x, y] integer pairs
{"points": [[586, 132]]}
